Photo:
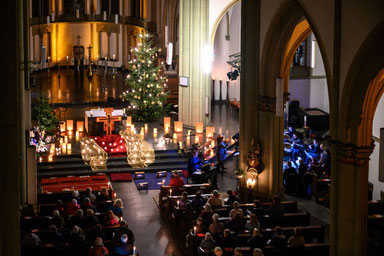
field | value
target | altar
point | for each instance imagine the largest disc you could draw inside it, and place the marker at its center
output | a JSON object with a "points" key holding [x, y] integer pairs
{"points": [[105, 121]]}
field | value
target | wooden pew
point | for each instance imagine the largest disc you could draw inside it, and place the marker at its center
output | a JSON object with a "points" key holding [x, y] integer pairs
{"points": [[176, 191], [65, 196], [47, 209], [375, 207]]}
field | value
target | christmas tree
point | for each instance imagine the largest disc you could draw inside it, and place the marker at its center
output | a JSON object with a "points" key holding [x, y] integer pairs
{"points": [[43, 114], [145, 94]]}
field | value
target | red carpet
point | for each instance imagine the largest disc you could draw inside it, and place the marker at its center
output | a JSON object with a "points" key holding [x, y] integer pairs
{"points": [[126, 176], [113, 144]]}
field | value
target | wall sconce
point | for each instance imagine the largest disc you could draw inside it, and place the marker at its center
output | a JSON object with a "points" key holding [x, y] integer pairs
{"points": [[251, 183]]}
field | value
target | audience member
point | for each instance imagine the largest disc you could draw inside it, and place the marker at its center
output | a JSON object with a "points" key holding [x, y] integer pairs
{"points": [[297, 239], [76, 242], [200, 228], [103, 195], [54, 236], [215, 199], [278, 239], [276, 210], [88, 193], [216, 228], [75, 195], [78, 218], [125, 230], [218, 251], [257, 240], [236, 209], [59, 207], [257, 209], [231, 197], [237, 252], [253, 222], [176, 180], [30, 241], [184, 200], [117, 206], [188, 216], [257, 252], [91, 220], [97, 232], [208, 243], [111, 219], [194, 163], [125, 248], [207, 213], [228, 241], [88, 205], [98, 249], [72, 207], [198, 202], [57, 220], [236, 223]]}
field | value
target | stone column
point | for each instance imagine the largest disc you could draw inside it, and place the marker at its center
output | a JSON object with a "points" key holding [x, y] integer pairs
{"points": [[350, 191], [193, 38], [257, 111]]}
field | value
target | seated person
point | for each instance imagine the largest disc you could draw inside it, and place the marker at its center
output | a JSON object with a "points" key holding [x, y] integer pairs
{"points": [[59, 207], [91, 220], [215, 199], [103, 195], [207, 213], [216, 228], [176, 180], [296, 144], [236, 223], [76, 242], [236, 209], [237, 252], [278, 239], [325, 160], [297, 239], [184, 200], [125, 230], [88, 193], [97, 232], [111, 219], [200, 228], [218, 251], [276, 210], [256, 209], [194, 163], [314, 149], [257, 240], [54, 236], [88, 205], [31, 240], [72, 208], [98, 249], [188, 216], [117, 206], [78, 218], [208, 243], [228, 240], [290, 132], [257, 252], [252, 223], [124, 248], [57, 220], [231, 197], [198, 202]]}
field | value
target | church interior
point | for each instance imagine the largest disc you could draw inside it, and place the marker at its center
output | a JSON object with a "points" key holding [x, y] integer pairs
{"points": [[192, 127]]}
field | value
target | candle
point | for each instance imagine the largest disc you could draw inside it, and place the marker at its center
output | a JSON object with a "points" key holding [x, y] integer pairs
{"points": [[196, 139], [50, 158], [40, 159], [69, 146], [61, 140], [134, 250], [70, 133], [167, 122], [113, 56], [212, 153], [212, 143], [189, 132], [163, 182], [209, 131], [80, 126], [69, 123], [154, 130], [178, 126], [199, 127], [166, 130], [146, 128], [194, 230], [52, 149], [65, 139], [178, 203], [170, 192], [116, 18], [132, 128], [174, 136]]}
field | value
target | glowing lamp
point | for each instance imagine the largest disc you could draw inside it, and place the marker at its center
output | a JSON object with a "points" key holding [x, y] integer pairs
{"points": [[77, 134], [178, 126], [154, 130], [65, 139], [180, 144], [64, 148], [196, 139], [62, 127], [129, 121], [174, 136], [40, 159], [166, 130], [132, 128], [52, 149], [209, 131], [146, 128], [69, 125], [212, 143], [69, 146], [251, 183], [167, 122], [80, 126], [142, 131], [61, 140], [212, 153], [199, 127], [70, 133], [50, 158]]}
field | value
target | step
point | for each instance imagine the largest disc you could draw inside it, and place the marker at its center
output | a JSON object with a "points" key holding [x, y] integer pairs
{"points": [[55, 173]]}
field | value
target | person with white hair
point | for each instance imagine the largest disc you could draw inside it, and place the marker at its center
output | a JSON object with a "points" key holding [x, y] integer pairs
{"points": [[98, 249], [208, 243], [257, 252], [125, 248], [76, 242]]}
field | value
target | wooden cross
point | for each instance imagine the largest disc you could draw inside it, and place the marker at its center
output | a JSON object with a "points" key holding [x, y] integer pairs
{"points": [[108, 120]]}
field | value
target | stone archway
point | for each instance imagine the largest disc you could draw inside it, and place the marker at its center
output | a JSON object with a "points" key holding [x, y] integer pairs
{"points": [[362, 91], [276, 56]]}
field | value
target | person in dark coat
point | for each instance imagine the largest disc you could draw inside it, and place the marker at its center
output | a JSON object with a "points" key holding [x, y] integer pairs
{"points": [[257, 240], [198, 202], [76, 242], [91, 220], [228, 241], [194, 163], [54, 236]]}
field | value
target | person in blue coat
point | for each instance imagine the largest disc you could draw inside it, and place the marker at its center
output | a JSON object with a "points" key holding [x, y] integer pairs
{"points": [[194, 163], [221, 153]]}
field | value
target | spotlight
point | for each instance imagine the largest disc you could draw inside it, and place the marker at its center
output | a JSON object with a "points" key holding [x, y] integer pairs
{"points": [[232, 75]]}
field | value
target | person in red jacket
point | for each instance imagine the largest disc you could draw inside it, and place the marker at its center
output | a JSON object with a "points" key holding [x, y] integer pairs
{"points": [[98, 249], [72, 207], [176, 180]]}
